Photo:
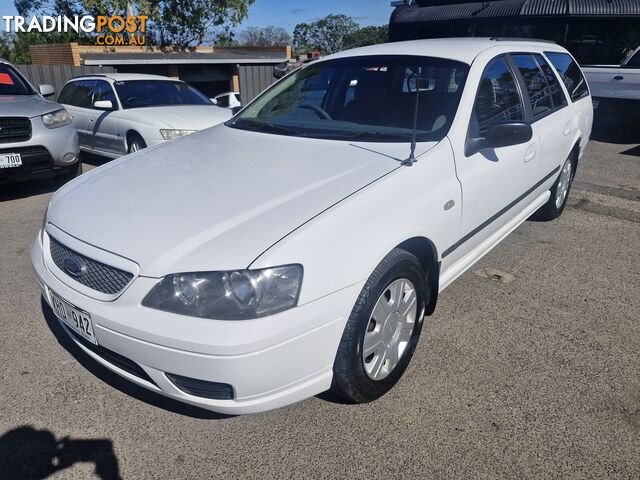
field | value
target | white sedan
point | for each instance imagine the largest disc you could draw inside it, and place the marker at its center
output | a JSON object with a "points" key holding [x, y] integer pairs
{"points": [[120, 113], [298, 247]]}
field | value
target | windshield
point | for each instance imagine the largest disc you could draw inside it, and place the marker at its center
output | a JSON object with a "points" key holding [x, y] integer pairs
{"points": [[368, 98], [158, 93], [12, 83]]}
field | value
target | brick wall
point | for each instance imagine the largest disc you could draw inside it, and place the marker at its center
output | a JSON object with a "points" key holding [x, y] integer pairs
{"points": [[55, 54]]}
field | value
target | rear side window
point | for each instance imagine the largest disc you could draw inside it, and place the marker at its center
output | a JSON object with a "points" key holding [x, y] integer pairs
{"points": [[557, 95], [570, 73], [497, 99], [77, 93], [539, 92]]}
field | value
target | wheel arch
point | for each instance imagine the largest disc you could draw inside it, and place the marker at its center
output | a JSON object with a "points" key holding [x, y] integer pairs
{"points": [[425, 250]]}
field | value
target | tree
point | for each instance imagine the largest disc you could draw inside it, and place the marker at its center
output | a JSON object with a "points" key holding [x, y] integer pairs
{"points": [[328, 35], [368, 36], [182, 23], [268, 36]]}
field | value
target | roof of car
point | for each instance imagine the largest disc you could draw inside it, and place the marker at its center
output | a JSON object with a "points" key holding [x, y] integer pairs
{"points": [[462, 49], [121, 77]]}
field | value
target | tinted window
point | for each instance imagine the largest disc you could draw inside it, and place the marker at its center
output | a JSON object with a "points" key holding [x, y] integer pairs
{"points": [[370, 98], [634, 61], [223, 101], [156, 93], [539, 93], [103, 91], [12, 83], [557, 95], [497, 99], [570, 73], [78, 93]]}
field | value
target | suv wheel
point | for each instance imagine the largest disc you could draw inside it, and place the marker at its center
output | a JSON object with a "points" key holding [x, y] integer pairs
{"points": [[383, 329]]}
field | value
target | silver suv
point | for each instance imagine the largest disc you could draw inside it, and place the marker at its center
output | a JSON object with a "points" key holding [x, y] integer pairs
{"points": [[37, 137]]}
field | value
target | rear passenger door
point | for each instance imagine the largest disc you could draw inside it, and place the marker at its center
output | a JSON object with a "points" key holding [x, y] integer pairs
{"points": [[550, 118], [76, 96]]}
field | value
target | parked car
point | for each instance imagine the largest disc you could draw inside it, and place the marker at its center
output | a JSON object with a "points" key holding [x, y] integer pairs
{"points": [[37, 139], [616, 88], [298, 247], [227, 100], [120, 113]]}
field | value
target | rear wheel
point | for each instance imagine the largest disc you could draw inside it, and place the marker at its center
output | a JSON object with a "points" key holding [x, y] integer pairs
{"points": [[135, 142], [559, 193], [383, 329]]}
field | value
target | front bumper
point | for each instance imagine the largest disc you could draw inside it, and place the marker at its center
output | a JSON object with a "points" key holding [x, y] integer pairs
{"points": [[270, 362], [46, 154]]}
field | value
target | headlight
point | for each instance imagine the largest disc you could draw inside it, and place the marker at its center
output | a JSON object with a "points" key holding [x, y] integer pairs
{"points": [[237, 295], [56, 119], [168, 134]]}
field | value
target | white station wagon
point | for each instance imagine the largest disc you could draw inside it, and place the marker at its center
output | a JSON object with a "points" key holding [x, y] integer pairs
{"points": [[120, 113], [298, 247]]}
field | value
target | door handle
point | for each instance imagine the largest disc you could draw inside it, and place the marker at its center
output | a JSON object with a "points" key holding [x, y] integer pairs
{"points": [[618, 77], [567, 129], [530, 152]]}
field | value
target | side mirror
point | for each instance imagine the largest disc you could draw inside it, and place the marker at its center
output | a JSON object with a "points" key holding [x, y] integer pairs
{"points": [[46, 90], [500, 135], [280, 70], [103, 105]]}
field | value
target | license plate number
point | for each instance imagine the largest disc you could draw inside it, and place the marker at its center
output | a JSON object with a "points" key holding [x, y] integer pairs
{"points": [[10, 160], [77, 320]]}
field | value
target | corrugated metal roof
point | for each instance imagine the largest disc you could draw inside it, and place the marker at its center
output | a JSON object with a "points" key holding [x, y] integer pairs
{"points": [[604, 7], [545, 7], [460, 11]]}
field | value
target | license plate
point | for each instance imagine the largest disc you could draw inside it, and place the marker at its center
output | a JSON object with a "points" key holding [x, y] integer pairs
{"points": [[10, 160], [77, 320]]}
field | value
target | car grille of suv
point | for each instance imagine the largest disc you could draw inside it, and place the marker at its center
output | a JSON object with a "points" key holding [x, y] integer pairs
{"points": [[97, 276], [14, 129]]}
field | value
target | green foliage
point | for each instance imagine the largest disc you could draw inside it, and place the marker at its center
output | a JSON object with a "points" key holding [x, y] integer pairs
{"points": [[269, 36], [15, 47], [182, 23], [368, 36], [328, 35]]}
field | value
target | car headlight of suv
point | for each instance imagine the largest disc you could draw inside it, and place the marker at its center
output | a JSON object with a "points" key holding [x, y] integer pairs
{"points": [[171, 134], [235, 295], [56, 119]]}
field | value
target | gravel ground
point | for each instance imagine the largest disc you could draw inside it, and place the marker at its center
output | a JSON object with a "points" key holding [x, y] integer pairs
{"points": [[528, 369]]}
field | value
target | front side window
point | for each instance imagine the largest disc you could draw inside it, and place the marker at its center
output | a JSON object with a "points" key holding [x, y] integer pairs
{"points": [[370, 98], [536, 83], [570, 73], [12, 83], [634, 61], [158, 93], [497, 100], [103, 92]]}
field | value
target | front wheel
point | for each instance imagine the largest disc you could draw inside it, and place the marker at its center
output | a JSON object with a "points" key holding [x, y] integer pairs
{"points": [[559, 193], [383, 329], [136, 143]]}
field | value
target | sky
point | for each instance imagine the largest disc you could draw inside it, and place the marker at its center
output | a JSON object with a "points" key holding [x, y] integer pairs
{"points": [[287, 13]]}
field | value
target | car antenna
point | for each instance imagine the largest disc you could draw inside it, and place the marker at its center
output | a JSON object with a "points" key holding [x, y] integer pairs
{"points": [[412, 154]]}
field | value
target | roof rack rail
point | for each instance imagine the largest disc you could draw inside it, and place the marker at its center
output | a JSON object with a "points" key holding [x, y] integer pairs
{"points": [[90, 75], [520, 39]]}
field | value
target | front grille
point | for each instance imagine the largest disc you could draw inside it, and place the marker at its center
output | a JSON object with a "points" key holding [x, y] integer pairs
{"points": [[14, 129], [97, 276], [120, 361], [202, 388]]}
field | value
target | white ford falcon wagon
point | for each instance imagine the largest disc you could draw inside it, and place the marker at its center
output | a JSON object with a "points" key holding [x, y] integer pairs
{"points": [[298, 247]]}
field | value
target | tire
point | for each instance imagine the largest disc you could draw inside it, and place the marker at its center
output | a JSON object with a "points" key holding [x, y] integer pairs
{"points": [[358, 378], [135, 143], [69, 173], [559, 193]]}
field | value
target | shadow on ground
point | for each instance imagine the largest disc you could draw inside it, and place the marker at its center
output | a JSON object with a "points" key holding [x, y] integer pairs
{"points": [[30, 454], [623, 133], [117, 382]]}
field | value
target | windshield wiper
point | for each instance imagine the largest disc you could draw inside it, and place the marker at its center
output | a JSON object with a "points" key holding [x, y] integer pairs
{"points": [[257, 126]]}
